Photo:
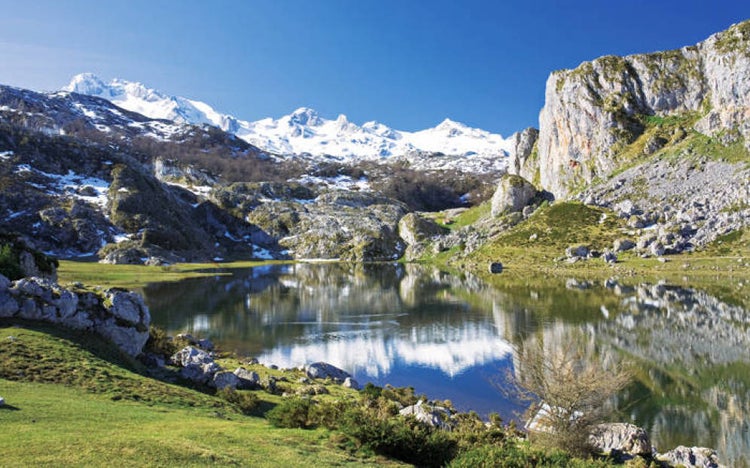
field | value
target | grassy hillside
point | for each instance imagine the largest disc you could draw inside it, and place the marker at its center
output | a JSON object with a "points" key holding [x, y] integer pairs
{"points": [[73, 400]]}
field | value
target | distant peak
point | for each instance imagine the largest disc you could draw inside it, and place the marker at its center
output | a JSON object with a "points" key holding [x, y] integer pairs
{"points": [[85, 83], [305, 116], [448, 123]]}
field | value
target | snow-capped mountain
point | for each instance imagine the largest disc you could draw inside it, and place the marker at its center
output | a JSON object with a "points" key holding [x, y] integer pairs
{"points": [[304, 131]]}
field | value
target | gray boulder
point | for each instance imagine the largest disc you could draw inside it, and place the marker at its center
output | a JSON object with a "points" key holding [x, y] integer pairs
{"points": [[351, 383], [577, 251], [225, 379], [433, 416], [690, 457], [621, 438], [496, 267], [128, 338], [8, 305], [609, 257], [4, 283], [414, 229], [197, 365], [513, 193], [126, 306], [622, 245], [322, 370], [248, 380]]}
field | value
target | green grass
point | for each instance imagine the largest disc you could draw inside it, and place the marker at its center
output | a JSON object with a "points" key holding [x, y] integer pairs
{"points": [[137, 276], [72, 400], [465, 218]]}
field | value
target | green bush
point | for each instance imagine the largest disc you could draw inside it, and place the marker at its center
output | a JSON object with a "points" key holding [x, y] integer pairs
{"points": [[159, 343], [402, 438], [9, 266], [245, 401], [292, 413]]}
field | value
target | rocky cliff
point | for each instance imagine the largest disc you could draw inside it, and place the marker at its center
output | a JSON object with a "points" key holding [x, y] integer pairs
{"points": [[592, 113]]}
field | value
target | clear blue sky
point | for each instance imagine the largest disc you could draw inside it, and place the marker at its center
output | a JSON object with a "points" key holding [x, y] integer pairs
{"points": [[407, 63]]}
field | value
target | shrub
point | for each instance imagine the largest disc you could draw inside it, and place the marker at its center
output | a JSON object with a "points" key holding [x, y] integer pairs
{"points": [[575, 389], [292, 413], [159, 343], [246, 402], [402, 438], [9, 266]]}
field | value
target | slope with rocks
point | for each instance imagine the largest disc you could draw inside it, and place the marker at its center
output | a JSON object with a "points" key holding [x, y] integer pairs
{"points": [[82, 177]]}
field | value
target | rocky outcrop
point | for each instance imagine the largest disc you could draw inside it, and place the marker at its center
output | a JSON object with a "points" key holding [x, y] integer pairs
{"points": [[416, 230], [524, 160], [593, 111], [323, 370], [691, 457], [336, 225], [687, 204], [512, 195], [433, 416], [620, 438], [115, 314]]}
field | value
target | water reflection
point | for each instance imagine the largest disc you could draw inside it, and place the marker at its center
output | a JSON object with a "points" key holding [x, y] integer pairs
{"points": [[454, 337]]}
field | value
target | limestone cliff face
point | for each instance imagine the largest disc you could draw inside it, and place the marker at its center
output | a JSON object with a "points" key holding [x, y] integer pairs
{"points": [[593, 111], [524, 161]]}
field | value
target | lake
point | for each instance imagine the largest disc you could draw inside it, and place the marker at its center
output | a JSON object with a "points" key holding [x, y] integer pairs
{"points": [[454, 337]]}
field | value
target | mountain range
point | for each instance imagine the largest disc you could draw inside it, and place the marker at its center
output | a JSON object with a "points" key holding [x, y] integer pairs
{"points": [[304, 131]]}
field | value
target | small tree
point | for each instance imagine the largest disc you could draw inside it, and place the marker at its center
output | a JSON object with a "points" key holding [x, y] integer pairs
{"points": [[571, 392]]}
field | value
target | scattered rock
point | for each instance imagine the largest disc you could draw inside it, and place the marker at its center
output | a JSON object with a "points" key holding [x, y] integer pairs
{"points": [[248, 380], [620, 438], [513, 193], [577, 251], [322, 370], [434, 416], [310, 390], [657, 249], [197, 365], [609, 257], [225, 379], [622, 245], [496, 267], [351, 383], [689, 457]]}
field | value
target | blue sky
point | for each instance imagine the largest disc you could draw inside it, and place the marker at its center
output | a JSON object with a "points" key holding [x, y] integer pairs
{"points": [[407, 63]]}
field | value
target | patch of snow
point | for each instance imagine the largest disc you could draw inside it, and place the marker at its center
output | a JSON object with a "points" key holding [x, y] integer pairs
{"points": [[121, 238], [261, 253], [5, 155]]}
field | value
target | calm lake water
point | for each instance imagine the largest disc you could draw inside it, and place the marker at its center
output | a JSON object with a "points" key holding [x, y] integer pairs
{"points": [[455, 337]]}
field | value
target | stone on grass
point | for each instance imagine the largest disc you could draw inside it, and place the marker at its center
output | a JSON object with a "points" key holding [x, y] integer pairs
{"points": [[577, 251], [2, 401], [691, 457], [434, 416], [248, 380], [351, 383], [621, 438], [496, 267], [322, 370], [225, 379], [513, 193]]}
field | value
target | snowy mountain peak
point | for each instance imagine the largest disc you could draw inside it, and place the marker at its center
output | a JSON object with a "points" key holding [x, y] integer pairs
{"points": [[449, 124], [304, 131], [86, 83], [305, 116]]}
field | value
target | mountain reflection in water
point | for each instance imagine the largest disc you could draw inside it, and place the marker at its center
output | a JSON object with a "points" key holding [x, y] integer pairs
{"points": [[454, 337]]}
